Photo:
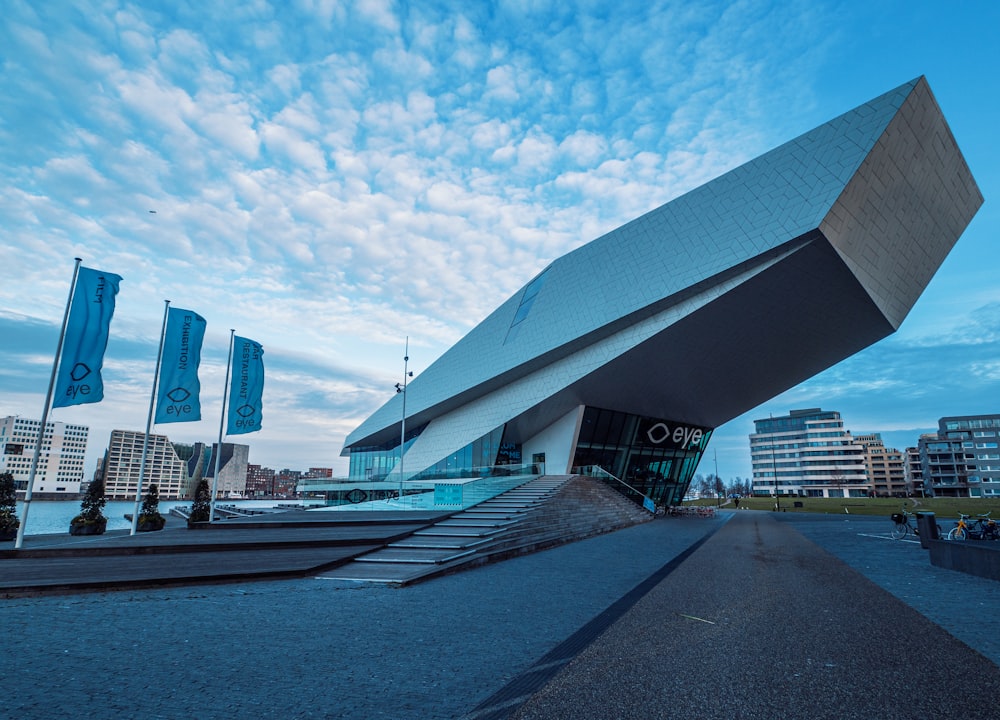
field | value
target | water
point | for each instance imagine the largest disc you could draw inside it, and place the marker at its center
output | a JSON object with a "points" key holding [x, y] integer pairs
{"points": [[52, 516]]}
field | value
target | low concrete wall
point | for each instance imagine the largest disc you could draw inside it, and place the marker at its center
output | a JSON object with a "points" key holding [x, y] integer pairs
{"points": [[980, 558]]}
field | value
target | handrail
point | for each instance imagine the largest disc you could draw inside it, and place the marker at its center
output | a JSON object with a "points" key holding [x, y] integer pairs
{"points": [[599, 472]]}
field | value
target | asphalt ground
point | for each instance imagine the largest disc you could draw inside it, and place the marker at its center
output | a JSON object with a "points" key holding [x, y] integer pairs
{"points": [[741, 619], [786, 632]]}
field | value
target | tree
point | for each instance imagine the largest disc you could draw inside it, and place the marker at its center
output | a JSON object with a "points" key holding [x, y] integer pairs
{"points": [[91, 520], [149, 514], [202, 505], [8, 507]]}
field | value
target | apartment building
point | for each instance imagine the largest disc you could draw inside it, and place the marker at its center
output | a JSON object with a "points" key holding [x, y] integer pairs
{"points": [[807, 453], [886, 467], [60, 461]]}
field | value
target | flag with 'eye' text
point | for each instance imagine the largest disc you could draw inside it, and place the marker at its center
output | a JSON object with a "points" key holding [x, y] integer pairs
{"points": [[178, 395], [79, 376], [246, 388]]}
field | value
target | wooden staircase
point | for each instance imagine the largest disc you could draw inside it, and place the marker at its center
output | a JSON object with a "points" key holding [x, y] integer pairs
{"points": [[542, 513]]}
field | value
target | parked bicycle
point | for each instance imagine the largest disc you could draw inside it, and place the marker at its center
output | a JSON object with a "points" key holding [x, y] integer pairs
{"points": [[982, 528], [904, 522]]}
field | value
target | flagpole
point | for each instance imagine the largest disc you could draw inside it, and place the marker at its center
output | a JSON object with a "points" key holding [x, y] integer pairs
{"points": [[45, 411], [149, 420], [402, 426], [222, 424]]}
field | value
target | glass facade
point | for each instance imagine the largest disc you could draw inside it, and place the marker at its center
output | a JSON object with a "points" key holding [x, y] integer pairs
{"points": [[470, 460], [656, 457], [375, 463]]}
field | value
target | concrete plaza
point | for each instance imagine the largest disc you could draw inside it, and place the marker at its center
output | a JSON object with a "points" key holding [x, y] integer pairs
{"points": [[747, 615]]}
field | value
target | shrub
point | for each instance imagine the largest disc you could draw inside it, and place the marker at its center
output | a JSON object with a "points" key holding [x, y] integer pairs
{"points": [[202, 505], [8, 504]]}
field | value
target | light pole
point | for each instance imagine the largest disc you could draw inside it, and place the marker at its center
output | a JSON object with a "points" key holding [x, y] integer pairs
{"points": [[774, 469], [401, 388], [718, 480]]}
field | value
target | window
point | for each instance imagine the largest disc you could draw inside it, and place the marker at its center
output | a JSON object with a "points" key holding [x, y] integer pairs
{"points": [[531, 291]]}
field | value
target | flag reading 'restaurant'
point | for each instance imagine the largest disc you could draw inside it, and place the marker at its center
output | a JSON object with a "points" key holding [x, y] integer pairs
{"points": [[246, 387], [79, 378], [178, 395]]}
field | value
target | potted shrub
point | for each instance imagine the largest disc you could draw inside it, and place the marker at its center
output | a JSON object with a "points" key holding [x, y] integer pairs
{"points": [[202, 505], [91, 520], [149, 514], [8, 507]]}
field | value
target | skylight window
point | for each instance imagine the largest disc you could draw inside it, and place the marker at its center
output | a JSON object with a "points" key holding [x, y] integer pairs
{"points": [[531, 291]]}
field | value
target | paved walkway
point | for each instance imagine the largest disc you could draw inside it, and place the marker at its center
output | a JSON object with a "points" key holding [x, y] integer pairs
{"points": [[672, 618], [759, 623]]}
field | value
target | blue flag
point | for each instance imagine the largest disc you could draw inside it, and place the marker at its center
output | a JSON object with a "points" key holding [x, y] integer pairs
{"points": [[246, 388], [178, 392], [79, 379]]}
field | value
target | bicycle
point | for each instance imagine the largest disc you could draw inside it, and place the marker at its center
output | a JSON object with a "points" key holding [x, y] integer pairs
{"points": [[961, 529], [902, 524], [982, 528]]}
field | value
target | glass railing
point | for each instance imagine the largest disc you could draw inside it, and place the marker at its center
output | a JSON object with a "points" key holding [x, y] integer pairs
{"points": [[455, 489], [596, 471]]}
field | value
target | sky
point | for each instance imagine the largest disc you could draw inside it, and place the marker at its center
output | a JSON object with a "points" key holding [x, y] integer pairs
{"points": [[336, 178]]}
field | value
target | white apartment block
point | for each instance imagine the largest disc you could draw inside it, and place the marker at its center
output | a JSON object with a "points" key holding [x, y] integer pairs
{"points": [[60, 463], [807, 453], [124, 460]]}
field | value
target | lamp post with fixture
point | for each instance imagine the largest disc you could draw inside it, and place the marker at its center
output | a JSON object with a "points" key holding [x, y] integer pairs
{"points": [[401, 388]]}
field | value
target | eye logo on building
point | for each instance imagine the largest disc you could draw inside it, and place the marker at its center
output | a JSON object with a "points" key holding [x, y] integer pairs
{"points": [[680, 436], [79, 372], [178, 394], [356, 496], [662, 428]]}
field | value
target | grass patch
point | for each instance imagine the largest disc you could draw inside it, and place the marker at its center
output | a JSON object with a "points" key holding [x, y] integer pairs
{"points": [[943, 508]]}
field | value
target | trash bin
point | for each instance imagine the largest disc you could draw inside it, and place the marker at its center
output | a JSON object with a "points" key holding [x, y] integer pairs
{"points": [[927, 526]]}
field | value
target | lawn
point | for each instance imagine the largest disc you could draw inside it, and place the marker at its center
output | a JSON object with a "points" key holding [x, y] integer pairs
{"points": [[943, 508]]}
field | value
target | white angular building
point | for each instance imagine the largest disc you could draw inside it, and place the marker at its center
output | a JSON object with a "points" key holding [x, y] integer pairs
{"points": [[628, 351]]}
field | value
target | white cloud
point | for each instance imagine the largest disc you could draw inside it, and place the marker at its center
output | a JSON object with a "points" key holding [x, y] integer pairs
{"points": [[356, 172]]}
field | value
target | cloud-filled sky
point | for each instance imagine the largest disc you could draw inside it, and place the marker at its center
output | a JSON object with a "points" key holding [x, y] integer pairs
{"points": [[330, 177]]}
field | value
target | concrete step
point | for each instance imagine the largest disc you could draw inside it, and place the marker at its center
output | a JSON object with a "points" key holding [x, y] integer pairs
{"points": [[458, 531], [412, 555], [529, 520], [450, 542], [473, 523]]}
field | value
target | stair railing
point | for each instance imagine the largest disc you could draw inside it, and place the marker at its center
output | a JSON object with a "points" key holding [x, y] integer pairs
{"points": [[596, 471]]}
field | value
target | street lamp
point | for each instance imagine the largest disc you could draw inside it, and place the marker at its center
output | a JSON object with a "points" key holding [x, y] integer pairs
{"points": [[774, 469], [718, 480], [401, 388]]}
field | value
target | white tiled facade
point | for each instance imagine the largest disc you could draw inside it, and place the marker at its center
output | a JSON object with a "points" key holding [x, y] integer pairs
{"points": [[715, 302], [60, 464]]}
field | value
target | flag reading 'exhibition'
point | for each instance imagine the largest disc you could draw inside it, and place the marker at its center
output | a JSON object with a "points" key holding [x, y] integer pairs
{"points": [[247, 387], [178, 393], [79, 379]]}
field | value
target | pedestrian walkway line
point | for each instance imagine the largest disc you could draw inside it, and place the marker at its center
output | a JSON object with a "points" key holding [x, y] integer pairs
{"points": [[883, 536], [506, 700]]}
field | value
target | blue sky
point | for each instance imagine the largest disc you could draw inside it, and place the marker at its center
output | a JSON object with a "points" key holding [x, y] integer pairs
{"points": [[329, 177]]}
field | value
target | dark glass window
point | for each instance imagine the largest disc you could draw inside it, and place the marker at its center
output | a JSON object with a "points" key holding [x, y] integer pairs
{"points": [[656, 457]]}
